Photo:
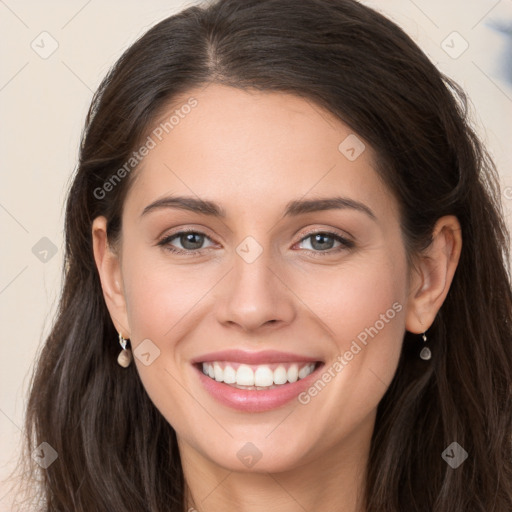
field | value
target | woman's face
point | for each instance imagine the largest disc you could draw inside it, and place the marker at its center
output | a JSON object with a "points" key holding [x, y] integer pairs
{"points": [[296, 264]]}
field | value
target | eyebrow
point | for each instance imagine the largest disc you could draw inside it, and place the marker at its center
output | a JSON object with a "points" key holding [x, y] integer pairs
{"points": [[293, 208]]}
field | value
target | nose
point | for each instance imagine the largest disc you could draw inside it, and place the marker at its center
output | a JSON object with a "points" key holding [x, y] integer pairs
{"points": [[255, 296]]}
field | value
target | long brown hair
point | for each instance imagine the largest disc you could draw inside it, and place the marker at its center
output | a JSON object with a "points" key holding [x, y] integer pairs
{"points": [[116, 452]]}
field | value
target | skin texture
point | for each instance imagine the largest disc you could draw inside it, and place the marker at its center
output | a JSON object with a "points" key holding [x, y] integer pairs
{"points": [[252, 153]]}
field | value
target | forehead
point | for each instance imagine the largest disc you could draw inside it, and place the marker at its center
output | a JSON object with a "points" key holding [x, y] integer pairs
{"points": [[254, 149]]}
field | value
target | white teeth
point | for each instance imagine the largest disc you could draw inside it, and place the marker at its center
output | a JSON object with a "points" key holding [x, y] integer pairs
{"points": [[229, 375], [245, 375], [293, 373], [262, 377], [280, 375], [217, 371], [303, 372]]}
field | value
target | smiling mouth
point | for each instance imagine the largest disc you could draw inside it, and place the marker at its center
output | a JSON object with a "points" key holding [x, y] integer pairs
{"points": [[257, 377]]}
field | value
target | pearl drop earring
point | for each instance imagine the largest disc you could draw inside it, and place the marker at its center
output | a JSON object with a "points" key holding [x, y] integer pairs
{"points": [[125, 356], [425, 353]]}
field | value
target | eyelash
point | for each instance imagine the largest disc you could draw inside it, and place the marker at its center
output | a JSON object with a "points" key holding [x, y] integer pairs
{"points": [[345, 243]]}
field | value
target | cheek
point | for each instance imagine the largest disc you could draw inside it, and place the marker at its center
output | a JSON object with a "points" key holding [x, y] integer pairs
{"points": [[357, 299], [160, 301], [160, 294], [365, 308]]}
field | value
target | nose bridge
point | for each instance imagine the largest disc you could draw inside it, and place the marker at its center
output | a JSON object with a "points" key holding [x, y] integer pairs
{"points": [[254, 294]]}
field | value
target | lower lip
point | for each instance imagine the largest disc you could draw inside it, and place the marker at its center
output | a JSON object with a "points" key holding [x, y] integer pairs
{"points": [[249, 400]]}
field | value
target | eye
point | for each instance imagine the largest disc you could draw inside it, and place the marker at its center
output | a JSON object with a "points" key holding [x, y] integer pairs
{"points": [[323, 241], [191, 242]]}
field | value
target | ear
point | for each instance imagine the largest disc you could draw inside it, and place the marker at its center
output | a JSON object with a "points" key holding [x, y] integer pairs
{"points": [[109, 269], [433, 274]]}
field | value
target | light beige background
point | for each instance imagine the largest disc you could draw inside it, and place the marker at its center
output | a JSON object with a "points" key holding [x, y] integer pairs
{"points": [[43, 102]]}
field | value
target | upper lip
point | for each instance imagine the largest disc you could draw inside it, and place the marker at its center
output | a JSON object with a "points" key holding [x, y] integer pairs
{"points": [[264, 356]]}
